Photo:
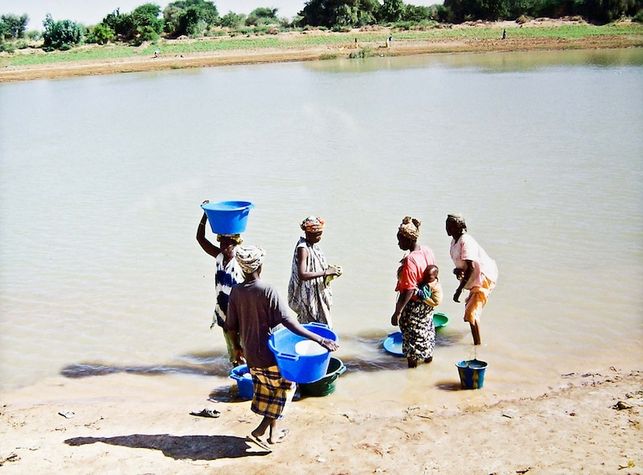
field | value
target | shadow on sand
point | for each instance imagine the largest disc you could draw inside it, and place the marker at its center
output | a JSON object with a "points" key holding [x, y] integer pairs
{"points": [[192, 447]]}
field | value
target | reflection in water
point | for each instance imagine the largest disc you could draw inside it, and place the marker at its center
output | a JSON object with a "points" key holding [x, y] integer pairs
{"points": [[493, 62]]}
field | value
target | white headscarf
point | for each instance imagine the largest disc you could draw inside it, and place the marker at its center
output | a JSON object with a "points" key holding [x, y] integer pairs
{"points": [[249, 258]]}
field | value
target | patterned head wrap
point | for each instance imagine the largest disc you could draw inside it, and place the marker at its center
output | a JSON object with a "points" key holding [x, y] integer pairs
{"points": [[313, 224], [410, 228], [249, 258], [235, 238], [458, 220]]}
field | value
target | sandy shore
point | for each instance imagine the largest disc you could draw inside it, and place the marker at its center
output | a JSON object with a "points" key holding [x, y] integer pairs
{"points": [[588, 422], [233, 57]]}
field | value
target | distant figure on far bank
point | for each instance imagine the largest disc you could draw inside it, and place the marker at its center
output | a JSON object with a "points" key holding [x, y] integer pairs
{"points": [[504, 34], [475, 270], [309, 293], [389, 40]]}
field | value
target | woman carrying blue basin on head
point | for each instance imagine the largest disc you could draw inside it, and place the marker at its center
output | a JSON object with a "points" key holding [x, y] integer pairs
{"points": [[309, 293], [228, 274]]}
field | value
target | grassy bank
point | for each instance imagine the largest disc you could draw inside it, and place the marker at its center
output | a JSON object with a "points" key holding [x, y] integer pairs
{"points": [[304, 40]]}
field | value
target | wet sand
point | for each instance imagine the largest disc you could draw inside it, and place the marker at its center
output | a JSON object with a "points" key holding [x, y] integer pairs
{"points": [[121, 423]]}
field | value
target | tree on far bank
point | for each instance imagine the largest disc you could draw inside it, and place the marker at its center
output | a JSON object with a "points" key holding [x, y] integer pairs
{"points": [[339, 13], [189, 17], [61, 34], [13, 26], [232, 20], [391, 11], [262, 16]]}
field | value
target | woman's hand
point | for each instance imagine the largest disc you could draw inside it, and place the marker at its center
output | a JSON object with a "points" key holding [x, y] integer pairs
{"points": [[330, 345], [456, 296], [237, 354], [459, 273], [395, 319], [332, 270]]}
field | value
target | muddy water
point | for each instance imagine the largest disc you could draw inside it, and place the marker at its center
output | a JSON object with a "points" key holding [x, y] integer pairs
{"points": [[101, 178]]}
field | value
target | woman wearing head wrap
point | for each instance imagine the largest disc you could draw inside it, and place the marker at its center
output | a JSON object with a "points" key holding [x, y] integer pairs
{"points": [[227, 275], [255, 310], [414, 316], [309, 294], [475, 270]]}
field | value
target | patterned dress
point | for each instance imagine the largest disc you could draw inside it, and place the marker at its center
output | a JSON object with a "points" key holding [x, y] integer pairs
{"points": [[418, 331], [310, 299], [416, 320]]}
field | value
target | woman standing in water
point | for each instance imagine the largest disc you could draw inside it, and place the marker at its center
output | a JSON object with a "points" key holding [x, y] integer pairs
{"points": [[227, 275], [475, 270], [309, 294], [414, 316]]}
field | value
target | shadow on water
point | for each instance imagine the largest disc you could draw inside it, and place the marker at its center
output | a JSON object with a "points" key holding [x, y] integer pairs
{"points": [[365, 354], [196, 364], [193, 447]]}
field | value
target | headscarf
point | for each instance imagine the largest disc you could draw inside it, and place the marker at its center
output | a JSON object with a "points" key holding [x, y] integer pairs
{"points": [[249, 258], [313, 224], [235, 238], [410, 228], [458, 220]]}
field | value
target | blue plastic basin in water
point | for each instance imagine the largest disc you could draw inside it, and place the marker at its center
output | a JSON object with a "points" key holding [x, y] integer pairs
{"points": [[471, 373], [296, 367], [244, 384], [393, 344], [228, 217]]}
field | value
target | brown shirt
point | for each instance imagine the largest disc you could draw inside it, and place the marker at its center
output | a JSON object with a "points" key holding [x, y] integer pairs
{"points": [[254, 310]]}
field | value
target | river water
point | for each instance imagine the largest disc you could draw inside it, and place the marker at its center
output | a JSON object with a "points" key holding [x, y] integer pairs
{"points": [[101, 180]]}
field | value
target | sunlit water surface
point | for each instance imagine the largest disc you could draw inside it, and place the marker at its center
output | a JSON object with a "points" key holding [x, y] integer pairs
{"points": [[101, 180]]}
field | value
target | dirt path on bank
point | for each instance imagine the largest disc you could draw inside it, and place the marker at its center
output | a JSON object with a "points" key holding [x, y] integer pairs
{"points": [[234, 57]]}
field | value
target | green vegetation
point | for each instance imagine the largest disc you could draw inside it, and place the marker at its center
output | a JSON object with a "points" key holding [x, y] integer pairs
{"points": [[61, 34], [110, 51], [147, 23]]}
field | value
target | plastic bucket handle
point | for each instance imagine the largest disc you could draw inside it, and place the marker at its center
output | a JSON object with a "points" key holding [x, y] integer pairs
{"points": [[287, 356], [341, 370]]}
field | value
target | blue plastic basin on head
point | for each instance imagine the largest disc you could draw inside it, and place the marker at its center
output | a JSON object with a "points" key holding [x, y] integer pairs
{"points": [[296, 367], [228, 217], [471, 373], [244, 384]]}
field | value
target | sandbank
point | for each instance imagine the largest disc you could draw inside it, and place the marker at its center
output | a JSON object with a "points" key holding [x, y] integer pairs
{"points": [[585, 422]]}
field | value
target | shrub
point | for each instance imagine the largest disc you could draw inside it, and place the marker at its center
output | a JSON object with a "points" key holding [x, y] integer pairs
{"points": [[6, 47], [638, 17], [100, 34], [61, 34], [34, 35]]}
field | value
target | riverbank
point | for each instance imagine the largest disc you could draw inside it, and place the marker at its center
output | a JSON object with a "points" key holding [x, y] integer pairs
{"points": [[316, 45], [133, 424]]}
